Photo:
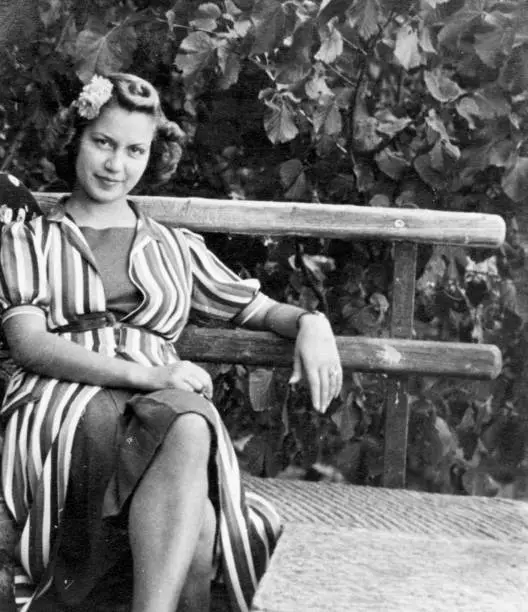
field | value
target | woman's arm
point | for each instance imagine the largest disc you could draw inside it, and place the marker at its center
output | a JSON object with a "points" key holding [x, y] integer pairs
{"points": [[315, 352], [37, 350]]}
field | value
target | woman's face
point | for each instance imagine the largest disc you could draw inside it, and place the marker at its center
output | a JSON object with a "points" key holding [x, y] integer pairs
{"points": [[113, 153]]}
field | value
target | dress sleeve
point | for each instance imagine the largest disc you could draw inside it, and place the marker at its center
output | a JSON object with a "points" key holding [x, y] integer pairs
{"points": [[218, 292], [23, 279]]}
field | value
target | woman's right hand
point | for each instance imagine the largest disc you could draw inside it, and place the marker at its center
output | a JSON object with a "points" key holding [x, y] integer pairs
{"points": [[184, 375]]}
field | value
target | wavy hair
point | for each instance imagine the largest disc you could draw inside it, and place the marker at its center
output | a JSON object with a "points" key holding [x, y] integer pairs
{"points": [[131, 93]]}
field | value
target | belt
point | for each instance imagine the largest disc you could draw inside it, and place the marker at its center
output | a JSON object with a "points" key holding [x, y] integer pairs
{"points": [[97, 320]]}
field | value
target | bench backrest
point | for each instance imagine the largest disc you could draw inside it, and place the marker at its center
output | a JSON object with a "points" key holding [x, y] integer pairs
{"points": [[398, 356]]}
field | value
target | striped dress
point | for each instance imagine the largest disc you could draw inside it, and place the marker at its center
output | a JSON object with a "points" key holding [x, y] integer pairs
{"points": [[48, 269]]}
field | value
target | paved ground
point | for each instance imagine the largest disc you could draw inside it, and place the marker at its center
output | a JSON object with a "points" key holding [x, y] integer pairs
{"points": [[374, 550]]}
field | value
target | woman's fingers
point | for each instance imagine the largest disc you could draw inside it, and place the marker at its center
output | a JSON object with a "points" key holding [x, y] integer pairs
{"points": [[192, 377], [336, 380], [324, 385], [205, 379], [314, 383]]}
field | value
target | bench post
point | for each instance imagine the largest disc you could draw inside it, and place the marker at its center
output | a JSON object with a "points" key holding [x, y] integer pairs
{"points": [[397, 403]]}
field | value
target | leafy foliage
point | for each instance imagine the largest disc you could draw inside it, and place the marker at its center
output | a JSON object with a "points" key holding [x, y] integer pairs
{"points": [[373, 102]]}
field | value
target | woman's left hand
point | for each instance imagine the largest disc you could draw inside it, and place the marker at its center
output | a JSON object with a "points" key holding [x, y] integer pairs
{"points": [[317, 357]]}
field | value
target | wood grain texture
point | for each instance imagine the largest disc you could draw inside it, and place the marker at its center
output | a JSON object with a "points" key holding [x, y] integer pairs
{"points": [[391, 355], [397, 400], [323, 220]]}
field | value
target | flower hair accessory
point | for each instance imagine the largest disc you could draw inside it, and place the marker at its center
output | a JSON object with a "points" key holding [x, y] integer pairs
{"points": [[93, 96]]}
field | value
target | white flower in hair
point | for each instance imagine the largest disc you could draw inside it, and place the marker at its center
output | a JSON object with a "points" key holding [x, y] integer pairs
{"points": [[93, 96]]}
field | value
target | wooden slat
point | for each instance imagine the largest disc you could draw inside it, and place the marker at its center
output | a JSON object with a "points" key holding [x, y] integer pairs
{"points": [[397, 400], [394, 356], [322, 220]]}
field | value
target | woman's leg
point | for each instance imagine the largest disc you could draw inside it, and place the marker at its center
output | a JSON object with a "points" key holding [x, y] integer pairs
{"points": [[172, 524]]}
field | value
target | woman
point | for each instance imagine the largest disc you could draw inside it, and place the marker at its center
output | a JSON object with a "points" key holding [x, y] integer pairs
{"points": [[114, 458]]}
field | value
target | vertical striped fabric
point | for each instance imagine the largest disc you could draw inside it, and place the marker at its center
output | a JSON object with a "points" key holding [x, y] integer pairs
{"points": [[48, 269]]}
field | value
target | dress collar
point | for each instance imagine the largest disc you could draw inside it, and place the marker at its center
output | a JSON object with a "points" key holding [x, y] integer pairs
{"points": [[145, 226]]}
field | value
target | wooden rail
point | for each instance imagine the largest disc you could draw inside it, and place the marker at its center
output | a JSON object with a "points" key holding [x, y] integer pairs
{"points": [[398, 356], [390, 355], [321, 220]]}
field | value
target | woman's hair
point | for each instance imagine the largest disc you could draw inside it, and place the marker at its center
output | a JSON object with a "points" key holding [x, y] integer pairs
{"points": [[126, 91]]}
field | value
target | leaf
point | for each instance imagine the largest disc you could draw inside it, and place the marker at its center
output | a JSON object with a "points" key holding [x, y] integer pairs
{"points": [[297, 63], [365, 135], [279, 122], [99, 51], [363, 173], [319, 265], [232, 9], [494, 45], [289, 171], [515, 181], [389, 124], [253, 456], [406, 50], [468, 108], [293, 179], [380, 200], [195, 53], [229, 63], [347, 417], [364, 15], [269, 20], [425, 41], [331, 44], [478, 482], [49, 11], [434, 3], [316, 87], [501, 153], [514, 74], [441, 87], [445, 436], [392, 163], [436, 125], [380, 303], [18, 21], [327, 119], [206, 17], [424, 166], [492, 102], [261, 388], [457, 24], [330, 9]]}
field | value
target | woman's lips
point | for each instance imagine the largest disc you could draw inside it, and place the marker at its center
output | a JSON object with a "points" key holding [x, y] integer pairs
{"points": [[108, 181]]}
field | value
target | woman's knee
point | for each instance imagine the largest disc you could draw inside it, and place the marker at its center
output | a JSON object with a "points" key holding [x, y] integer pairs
{"points": [[190, 435]]}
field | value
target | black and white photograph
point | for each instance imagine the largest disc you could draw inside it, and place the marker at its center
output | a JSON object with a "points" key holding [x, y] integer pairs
{"points": [[263, 306]]}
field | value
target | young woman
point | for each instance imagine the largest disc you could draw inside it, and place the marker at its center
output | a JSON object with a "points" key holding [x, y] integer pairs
{"points": [[115, 459]]}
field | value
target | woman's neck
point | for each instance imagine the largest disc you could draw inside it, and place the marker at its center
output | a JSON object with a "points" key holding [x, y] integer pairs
{"points": [[99, 215]]}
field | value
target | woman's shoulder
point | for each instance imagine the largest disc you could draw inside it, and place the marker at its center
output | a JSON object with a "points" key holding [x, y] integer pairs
{"points": [[177, 231]]}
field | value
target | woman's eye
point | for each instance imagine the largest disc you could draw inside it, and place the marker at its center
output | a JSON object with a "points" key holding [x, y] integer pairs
{"points": [[137, 151], [102, 142]]}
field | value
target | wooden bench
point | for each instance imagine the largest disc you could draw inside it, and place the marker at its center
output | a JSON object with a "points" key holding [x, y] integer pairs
{"points": [[315, 511]]}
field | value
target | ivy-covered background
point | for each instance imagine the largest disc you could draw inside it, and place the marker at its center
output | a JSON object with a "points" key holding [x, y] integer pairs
{"points": [[420, 103]]}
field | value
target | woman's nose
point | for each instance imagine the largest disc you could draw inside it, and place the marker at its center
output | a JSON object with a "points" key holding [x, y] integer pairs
{"points": [[114, 162]]}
